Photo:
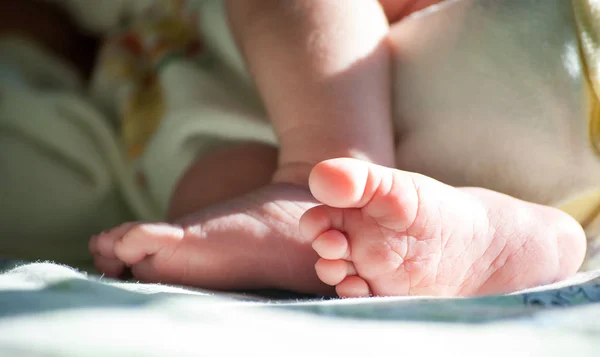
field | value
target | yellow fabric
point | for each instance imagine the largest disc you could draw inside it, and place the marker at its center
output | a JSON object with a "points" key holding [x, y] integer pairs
{"points": [[587, 16], [130, 62], [587, 207]]}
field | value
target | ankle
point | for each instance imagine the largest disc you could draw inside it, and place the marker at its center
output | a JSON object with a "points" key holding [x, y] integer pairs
{"points": [[308, 146], [295, 173]]}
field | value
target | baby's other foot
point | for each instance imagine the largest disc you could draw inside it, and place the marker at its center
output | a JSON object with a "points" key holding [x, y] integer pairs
{"points": [[387, 232], [252, 242]]}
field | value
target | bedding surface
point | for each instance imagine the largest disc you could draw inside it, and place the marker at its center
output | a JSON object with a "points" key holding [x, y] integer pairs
{"points": [[48, 309]]}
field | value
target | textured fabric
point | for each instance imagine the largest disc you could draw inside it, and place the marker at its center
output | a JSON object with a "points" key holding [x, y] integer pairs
{"points": [[47, 309]]}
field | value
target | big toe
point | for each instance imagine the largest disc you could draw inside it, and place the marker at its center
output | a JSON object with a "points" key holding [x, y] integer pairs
{"points": [[392, 197], [342, 182]]}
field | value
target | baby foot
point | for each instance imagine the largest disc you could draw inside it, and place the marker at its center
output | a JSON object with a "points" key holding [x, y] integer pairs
{"points": [[248, 243], [388, 232]]}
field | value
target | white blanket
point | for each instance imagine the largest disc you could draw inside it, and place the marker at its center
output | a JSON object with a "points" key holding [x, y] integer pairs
{"points": [[52, 310]]}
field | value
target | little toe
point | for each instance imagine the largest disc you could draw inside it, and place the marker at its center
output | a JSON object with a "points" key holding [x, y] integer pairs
{"points": [[104, 243], [353, 287], [109, 267], [333, 272], [146, 239], [331, 245]]}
